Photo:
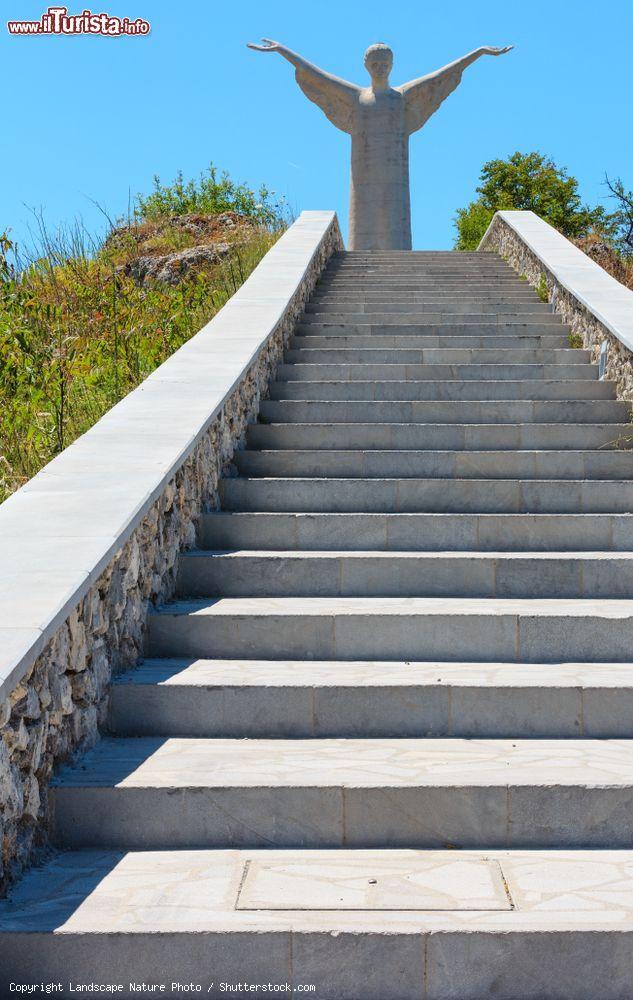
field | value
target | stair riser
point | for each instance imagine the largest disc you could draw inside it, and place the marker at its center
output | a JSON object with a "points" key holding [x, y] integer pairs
{"points": [[481, 297], [487, 637], [442, 372], [362, 712], [308, 354], [460, 965], [399, 391], [316, 307], [411, 282], [303, 575], [410, 496], [418, 532], [376, 342], [466, 437], [436, 464], [446, 411], [469, 816], [444, 330], [421, 316], [464, 276]]}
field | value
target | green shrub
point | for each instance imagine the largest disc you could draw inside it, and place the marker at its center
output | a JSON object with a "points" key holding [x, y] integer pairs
{"points": [[211, 194]]}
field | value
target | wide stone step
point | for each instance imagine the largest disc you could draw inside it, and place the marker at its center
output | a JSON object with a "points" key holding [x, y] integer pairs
{"points": [[463, 274], [427, 317], [398, 355], [422, 341], [430, 329], [417, 532], [157, 794], [420, 411], [486, 300], [403, 464], [408, 925], [411, 496], [444, 332], [468, 437], [301, 699], [419, 391], [396, 628], [459, 266], [392, 371], [420, 283], [260, 573], [456, 306]]}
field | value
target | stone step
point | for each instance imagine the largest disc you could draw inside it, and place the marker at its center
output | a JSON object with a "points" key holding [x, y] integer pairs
{"points": [[463, 274], [469, 341], [455, 306], [407, 925], [429, 390], [467, 437], [403, 464], [423, 317], [436, 496], [178, 793], [463, 411], [399, 355], [418, 532], [261, 573], [412, 282], [298, 699], [443, 331], [463, 268], [396, 628], [394, 371], [488, 299]]}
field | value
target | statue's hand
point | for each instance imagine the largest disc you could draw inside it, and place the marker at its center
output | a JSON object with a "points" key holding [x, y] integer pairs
{"points": [[268, 46], [491, 50]]}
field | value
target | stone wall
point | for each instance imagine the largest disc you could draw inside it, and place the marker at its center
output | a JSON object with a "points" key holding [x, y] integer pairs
{"points": [[60, 705], [503, 239]]}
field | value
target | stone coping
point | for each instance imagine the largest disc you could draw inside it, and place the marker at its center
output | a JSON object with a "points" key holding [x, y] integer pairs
{"points": [[63, 527], [607, 299]]}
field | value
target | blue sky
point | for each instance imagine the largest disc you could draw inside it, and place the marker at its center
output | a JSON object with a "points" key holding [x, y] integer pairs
{"points": [[94, 118]]}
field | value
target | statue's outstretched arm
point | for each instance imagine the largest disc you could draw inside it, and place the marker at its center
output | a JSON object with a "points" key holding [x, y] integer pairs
{"points": [[336, 97], [424, 95]]}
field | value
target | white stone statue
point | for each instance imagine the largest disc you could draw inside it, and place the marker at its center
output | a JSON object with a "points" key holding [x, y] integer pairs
{"points": [[380, 120]]}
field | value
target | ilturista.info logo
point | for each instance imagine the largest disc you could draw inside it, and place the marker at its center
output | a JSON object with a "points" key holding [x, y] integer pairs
{"points": [[57, 21]]}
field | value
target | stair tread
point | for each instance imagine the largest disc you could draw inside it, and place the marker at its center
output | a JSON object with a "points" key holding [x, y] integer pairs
{"points": [[174, 672], [399, 606], [146, 762], [264, 553], [189, 892]]}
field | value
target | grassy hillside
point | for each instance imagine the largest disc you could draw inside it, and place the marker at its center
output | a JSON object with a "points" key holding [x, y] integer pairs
{"points": [[81, 325]]}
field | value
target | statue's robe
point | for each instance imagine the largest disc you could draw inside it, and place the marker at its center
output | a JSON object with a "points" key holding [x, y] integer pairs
{"points": [[380, 125]]}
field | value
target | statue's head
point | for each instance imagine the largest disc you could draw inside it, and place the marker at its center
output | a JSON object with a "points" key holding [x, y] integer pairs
{"points": [[378, 63]]}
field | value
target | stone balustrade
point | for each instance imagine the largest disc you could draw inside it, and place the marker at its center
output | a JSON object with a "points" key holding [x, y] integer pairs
{"points": [[598, 308], [90, 544]]}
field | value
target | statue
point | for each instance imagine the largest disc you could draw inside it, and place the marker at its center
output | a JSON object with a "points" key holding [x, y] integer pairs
{"points": [[380, 119]]}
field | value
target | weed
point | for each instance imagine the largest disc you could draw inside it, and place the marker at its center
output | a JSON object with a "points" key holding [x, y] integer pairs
{"points": [[77, 333], [542, 290]]}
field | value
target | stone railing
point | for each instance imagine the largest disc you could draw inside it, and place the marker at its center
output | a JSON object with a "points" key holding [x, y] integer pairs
{"points": [[598, 308], [91, 542]]}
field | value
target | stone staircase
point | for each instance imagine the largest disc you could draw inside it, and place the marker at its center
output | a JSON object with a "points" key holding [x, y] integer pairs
{"points": [[381, 739]]}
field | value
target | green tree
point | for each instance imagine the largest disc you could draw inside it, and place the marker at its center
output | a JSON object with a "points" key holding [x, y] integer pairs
{"points": [[527, 181], [622, 218]]}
